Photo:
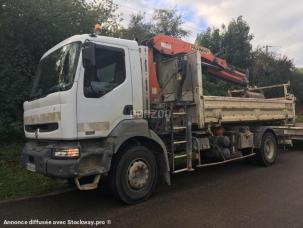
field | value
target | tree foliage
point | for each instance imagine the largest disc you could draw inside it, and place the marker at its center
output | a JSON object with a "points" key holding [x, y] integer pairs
{"points": [[28, 29], [164, 21], [138, 29], [296, 82], [231, 42], [236, 43], [211, 38], [169, 22], [268, 68]]}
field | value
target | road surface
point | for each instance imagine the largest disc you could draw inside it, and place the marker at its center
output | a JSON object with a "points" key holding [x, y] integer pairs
{"points": [[231, 195]]}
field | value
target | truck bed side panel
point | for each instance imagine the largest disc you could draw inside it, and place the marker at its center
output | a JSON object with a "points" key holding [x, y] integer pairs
{"points": [[233, 109]]}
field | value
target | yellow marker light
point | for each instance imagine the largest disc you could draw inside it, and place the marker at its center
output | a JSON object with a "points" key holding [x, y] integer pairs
{"points": [[98, 26]]}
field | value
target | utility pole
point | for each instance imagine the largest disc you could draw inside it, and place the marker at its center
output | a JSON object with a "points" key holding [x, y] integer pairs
{"points": [[267, 48]]}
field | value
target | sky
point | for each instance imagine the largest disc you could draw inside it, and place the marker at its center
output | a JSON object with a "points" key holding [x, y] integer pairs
{"points": [[277, 23]]}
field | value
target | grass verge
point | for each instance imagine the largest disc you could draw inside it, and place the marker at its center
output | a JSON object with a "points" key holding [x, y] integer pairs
{"points": [[16, 182]]}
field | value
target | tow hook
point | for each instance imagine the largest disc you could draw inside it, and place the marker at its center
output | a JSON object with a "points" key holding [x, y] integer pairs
{"points": [[89, 186]]}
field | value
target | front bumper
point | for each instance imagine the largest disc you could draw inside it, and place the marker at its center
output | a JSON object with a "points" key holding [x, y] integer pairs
{"points": [[95, 158]]}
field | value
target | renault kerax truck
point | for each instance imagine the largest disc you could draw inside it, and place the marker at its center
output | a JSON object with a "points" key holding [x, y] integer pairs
{"points": [[109, 109]]}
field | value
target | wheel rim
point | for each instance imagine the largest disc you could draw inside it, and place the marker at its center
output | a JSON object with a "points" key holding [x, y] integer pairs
{"points": [[138, 174], [269, 149]]}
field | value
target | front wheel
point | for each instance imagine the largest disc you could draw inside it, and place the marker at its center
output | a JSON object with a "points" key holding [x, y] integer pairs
{"points": [[268, 151], [134, 175]]}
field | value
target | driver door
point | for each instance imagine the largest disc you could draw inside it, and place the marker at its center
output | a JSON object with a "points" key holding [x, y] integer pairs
{"points": [[104, 91]]}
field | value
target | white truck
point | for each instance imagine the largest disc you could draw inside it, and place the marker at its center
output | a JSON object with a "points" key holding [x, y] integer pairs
{"points": [[104, 107]]}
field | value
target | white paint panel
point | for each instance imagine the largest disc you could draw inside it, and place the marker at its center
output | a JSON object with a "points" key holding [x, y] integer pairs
{"points": [[109, 107], [60, 102], [136, 78]]}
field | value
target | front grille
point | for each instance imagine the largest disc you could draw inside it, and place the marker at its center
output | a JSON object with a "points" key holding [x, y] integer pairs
{"points": [[42, 127]]}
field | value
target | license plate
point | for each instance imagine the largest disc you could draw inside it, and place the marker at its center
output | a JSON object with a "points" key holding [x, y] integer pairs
{"points": [[31, 167]]}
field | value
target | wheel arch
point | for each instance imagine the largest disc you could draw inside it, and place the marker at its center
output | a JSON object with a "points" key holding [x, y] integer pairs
{"points": [[259, 133], [136, 132]]}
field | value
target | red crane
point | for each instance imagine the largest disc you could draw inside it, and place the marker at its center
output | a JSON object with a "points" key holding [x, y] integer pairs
{"points": [[170, 46]]}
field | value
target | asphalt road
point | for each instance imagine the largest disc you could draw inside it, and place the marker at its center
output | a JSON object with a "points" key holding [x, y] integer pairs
{"points": [[231, 195]]}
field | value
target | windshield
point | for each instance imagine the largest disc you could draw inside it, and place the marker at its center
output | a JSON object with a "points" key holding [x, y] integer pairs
{"points": [[56, 71]]}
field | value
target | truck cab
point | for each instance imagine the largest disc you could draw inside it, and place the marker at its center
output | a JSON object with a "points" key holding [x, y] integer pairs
{"points": [[71, 103], [81, 107]]}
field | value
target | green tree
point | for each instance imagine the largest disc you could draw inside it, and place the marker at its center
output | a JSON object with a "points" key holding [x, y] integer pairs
{"points": [[236, 43], [269, 69], [28, 29], [300, 70], [164, 21], [138, 29], [211, 38], [169, 22], [296, 82], [233, 43]]}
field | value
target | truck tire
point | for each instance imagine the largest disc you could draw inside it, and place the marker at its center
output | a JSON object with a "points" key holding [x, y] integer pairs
{"points": [[268, 151], [134, 175]]}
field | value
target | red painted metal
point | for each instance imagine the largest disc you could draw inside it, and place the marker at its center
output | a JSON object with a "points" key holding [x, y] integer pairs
{"points": [[168, 45], [154, 87]]}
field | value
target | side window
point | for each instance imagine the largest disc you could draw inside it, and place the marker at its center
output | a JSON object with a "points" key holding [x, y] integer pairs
{"points": [[108, 73]]}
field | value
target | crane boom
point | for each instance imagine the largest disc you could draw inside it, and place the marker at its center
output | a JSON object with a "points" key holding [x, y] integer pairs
{"points": [[171, 46]]}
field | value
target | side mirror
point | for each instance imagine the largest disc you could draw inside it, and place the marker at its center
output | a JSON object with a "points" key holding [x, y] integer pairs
{"points": [[88, 55]]}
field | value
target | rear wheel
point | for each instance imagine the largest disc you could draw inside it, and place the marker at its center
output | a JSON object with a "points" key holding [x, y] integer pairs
{"points": [[134, 175], [268, 151]]}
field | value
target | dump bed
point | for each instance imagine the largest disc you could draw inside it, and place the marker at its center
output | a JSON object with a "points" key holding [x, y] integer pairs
{"points": [[234, 109], [218, 109]]}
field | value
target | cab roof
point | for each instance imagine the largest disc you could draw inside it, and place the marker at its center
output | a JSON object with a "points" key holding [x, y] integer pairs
{"points": [[131, 44]]}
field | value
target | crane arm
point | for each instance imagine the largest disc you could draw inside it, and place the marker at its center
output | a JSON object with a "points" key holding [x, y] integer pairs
{"points": [[215, 66]]}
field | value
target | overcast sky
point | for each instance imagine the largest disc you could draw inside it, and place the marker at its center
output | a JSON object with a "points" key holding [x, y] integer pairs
{"points": [[278, 23]]}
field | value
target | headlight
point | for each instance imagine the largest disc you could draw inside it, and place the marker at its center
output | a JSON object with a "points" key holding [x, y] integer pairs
{"points": [[66, 153]]}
